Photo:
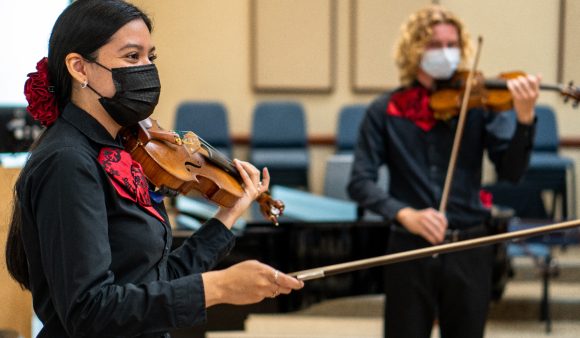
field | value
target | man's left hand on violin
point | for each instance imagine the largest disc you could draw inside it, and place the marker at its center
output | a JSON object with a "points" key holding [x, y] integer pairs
{"points": [[525, 91]]}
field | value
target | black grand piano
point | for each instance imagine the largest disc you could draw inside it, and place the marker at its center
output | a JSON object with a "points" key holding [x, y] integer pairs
{"points": [[315, 231]]}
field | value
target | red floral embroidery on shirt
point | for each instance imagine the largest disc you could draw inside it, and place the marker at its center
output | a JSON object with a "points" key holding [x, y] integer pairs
{"points": [[413, 104], [127, 177]]}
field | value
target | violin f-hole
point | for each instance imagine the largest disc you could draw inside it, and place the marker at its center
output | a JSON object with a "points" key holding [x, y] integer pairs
{"points": [[188, 164]]}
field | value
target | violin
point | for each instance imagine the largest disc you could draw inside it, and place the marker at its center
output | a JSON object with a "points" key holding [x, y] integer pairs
{"points": [[182, 164], [491, 94]]}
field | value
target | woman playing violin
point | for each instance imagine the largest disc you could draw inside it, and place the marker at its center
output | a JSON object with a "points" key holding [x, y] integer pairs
{"points": [[88, 238], [401, 132]]}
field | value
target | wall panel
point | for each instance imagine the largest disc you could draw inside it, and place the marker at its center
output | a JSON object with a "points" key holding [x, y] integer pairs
{"points": [[293, 47], [375, 27], [571, 50]]}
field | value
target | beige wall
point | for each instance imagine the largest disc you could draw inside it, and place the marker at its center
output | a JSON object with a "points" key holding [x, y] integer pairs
{"points": [[204, 54], [16, 308]]}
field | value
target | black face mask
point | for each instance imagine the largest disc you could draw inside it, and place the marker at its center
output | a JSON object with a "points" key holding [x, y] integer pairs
{"points": [[137, 93]]}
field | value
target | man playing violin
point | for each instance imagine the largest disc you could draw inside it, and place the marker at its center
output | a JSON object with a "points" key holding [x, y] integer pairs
{"points": [[401, 132]]}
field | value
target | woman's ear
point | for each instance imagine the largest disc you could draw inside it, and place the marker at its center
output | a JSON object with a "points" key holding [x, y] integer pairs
{"points": [[75, 65]]}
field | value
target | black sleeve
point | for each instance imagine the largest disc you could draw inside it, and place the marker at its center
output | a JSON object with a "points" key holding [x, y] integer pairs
{"points": [[509, 145], [369, 155], [202, 251]]}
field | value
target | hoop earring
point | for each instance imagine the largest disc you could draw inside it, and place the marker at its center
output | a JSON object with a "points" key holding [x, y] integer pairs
{"points": [[84, 84]]}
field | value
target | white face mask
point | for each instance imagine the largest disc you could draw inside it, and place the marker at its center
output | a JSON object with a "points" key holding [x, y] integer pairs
{"points": [[440, 63]]}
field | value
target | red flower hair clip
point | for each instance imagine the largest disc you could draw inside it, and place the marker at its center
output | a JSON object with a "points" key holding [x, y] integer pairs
{"points": [[40, 95]]}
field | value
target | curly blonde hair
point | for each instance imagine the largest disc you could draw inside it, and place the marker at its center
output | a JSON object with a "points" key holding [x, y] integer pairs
{"points": [[417, 32]]}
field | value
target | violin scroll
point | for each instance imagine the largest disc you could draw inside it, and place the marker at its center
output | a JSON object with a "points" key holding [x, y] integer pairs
{"points": [[571, 92], [270, 208]]}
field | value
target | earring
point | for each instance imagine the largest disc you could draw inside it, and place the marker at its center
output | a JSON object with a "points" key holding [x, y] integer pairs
{"points": [[84, 84]]}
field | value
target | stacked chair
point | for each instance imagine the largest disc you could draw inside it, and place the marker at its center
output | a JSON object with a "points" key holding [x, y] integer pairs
{"points": [[209, 120], [338, 166], [349, 120], [548, 171], [279, 142]]}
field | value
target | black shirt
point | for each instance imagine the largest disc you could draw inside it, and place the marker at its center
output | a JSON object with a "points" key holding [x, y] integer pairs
{"points": [[417, 161], [100, 265]]}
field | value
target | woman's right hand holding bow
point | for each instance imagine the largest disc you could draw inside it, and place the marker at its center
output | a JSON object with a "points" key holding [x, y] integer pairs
{"points": [[247, 282]]}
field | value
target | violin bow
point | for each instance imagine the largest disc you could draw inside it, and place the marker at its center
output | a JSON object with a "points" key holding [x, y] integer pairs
{"points": [[459, 131], [336, 269]]}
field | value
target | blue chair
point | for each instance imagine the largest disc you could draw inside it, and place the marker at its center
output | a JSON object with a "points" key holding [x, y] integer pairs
{"points": [[337, 176], [209, 121], [349, 120], [539, 248], [278, 141], [541, 254], [547, 169]]}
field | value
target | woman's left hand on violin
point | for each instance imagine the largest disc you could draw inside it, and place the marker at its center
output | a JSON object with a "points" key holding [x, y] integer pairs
{"points": [[525, 91], [254, 184]]}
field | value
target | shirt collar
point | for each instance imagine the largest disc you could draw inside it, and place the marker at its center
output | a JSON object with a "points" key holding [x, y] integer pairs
{"points": [[89, 126], [416, 83]]}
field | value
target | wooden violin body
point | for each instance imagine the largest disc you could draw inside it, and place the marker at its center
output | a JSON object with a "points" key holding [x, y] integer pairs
{"points": [[490, 94], [177, 164]]}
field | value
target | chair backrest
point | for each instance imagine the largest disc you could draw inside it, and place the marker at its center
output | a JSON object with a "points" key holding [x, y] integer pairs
{"points": [[278, 124], [349, 120], [546, 138], [337, 176], [208, 120]]}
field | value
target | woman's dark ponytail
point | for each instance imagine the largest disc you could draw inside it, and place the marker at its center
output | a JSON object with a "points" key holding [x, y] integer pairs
{"points": [[16, 260]]}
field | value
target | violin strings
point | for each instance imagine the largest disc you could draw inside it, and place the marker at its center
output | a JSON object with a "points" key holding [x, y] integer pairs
{"points": [[207, 145]]}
